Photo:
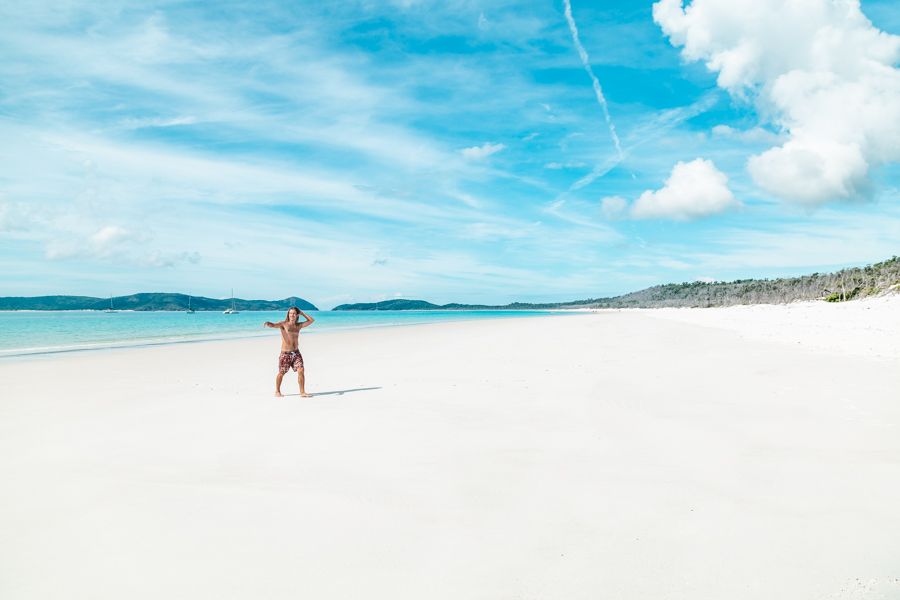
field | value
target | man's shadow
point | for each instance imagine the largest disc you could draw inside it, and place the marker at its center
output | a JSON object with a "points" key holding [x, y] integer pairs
{"points": [[339, 392]]}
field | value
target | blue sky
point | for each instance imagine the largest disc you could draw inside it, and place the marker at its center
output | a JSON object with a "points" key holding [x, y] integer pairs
{"points": [[451, 151]]}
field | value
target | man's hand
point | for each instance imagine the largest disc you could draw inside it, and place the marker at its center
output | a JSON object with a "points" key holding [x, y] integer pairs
{"points": [[269, 324], [308, 320]]}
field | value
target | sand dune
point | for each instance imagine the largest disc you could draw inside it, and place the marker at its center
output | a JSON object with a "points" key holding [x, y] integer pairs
{"points": [[624, 454]]}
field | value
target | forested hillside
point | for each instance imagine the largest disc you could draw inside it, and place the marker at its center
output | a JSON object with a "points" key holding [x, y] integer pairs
{"points": [[847, 284], [146, 301]]}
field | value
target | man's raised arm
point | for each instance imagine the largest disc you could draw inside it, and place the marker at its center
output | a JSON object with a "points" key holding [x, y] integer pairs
{"points": [[309, 320], [273, 325]]}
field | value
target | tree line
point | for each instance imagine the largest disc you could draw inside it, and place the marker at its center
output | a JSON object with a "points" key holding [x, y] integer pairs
{"points": [[840, 286]]}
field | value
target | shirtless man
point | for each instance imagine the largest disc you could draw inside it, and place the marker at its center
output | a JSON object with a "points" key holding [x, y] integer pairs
{"points": [[290, 357]]}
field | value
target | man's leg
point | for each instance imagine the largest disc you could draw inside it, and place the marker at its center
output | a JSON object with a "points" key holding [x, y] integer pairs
{"points": [[278, 379], [301, 379]]}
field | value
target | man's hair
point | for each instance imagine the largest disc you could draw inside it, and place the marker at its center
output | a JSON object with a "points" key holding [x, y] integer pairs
{"points": [[288, 316]]}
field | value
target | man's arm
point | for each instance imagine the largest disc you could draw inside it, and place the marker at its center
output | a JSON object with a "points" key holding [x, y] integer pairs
{"points": [[308, 322], [273, 325]]}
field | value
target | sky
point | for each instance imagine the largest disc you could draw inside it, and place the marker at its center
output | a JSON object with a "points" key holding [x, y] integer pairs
{"points": [[453, 151]]}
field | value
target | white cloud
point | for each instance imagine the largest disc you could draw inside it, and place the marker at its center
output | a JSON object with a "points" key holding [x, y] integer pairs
{"points": [[169, 259], [818, 69], [812, 171], [14, 216], [109, 236], [496, 231], [134, 123], [106, 242], [564, 165], [613, 207], [694, 189], [673, 263], [468, 199], [754, 135], [483, 151]]}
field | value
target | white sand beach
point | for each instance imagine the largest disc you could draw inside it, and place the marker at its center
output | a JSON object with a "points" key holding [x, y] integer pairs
{"points": [[741, 453]]}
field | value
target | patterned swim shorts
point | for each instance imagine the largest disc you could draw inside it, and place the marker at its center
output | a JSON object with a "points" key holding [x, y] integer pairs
{"points": [[290, 360]]}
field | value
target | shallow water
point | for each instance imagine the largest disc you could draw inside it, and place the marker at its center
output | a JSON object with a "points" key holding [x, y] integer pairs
{"points": [[37, 332]]}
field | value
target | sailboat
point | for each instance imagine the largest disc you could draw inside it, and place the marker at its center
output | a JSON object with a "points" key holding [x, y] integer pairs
{"points": [[231, 311], [110, 309], [190, 310]]}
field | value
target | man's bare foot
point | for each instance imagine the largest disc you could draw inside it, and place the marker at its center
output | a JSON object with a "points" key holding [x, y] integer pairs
{"points": [[305, 395], [278, 395]]}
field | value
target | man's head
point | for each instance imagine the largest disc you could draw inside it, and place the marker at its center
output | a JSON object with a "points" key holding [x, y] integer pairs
{"points": [[293, 314]]}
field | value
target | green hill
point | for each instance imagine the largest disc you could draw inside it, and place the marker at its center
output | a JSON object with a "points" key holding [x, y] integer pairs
{"points": [[147, 301]]}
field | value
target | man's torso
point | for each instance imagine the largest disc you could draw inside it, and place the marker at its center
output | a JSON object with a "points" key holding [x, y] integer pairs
{"points": [[290, 336]]}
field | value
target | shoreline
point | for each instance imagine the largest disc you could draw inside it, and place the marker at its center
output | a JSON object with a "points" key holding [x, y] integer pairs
{"points": [[890, 293], [878, 327], [25, 353]]}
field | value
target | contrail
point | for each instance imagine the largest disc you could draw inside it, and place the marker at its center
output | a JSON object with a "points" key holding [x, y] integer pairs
{"points": [[598, 91], [646, 132], [650, 131]]}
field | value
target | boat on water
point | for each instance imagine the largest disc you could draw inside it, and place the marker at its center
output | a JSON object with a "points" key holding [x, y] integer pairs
{"points": [[232, 310], [110, 309], [189, 310]]}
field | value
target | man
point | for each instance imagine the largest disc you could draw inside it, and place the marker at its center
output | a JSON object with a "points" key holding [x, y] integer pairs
{"points": [[290, 357]]}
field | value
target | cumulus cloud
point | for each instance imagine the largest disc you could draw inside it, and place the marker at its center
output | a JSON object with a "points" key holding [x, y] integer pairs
{"points": [[694, 189], [818, 69], [483, 151]]}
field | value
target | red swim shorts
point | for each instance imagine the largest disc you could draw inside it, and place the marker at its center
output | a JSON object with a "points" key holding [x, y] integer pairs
{"points": [[290, 360]]}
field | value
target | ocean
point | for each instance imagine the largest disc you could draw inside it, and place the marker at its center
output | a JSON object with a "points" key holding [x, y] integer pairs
{"points": [[40, 332]]}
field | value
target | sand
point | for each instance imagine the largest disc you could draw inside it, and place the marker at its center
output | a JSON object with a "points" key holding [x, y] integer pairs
{"points": [[619, 454], [868, 327]]}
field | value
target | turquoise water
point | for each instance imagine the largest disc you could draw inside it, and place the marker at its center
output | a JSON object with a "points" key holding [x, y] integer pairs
{"points": [[36, 332]]}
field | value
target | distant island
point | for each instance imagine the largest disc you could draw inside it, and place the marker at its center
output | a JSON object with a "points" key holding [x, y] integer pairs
{"points": [[402, 304], [847, 284], [148, 302]]}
